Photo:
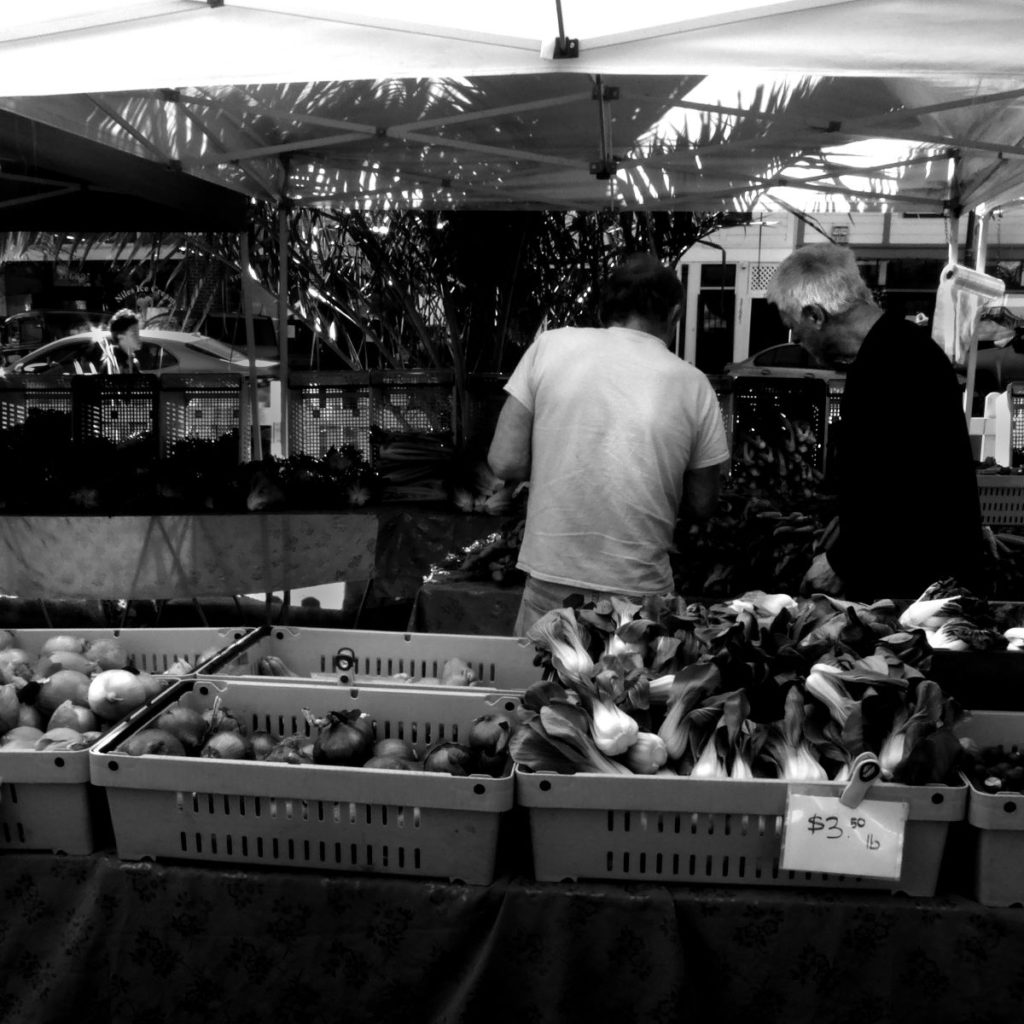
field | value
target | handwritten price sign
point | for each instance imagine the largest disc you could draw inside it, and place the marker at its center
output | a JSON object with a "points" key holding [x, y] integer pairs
{"points": [[820, 834]]}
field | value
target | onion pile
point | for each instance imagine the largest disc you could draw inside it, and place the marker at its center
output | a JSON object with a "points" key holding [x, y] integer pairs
{"points": [[69, 693], [339, 738]]}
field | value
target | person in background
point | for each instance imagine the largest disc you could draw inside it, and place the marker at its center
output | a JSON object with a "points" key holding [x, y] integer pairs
{"points": [[119, 352], [909, 513], [617, 436]]}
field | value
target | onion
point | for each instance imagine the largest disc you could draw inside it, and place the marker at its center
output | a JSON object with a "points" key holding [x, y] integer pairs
{"points": [[152, 684], [60, 739], [231, 746], [21, 735], [392, 746], [14, 663], [397, 764], [107, 653], [339, 740], [65, 684], [152, 741], [29, 714], [72, 716], [219, 719], [452, 758], [64, 642], [56, 660], [115, 693], [292, 750], [262, 744], [186, 723], [9, 707]]}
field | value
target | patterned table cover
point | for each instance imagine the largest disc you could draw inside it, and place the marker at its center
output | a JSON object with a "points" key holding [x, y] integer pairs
{"points": [[91, 940], [154, 557]]}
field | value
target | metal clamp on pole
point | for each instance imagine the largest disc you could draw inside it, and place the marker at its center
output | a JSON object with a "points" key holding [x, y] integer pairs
{"points": [[863, 772]]}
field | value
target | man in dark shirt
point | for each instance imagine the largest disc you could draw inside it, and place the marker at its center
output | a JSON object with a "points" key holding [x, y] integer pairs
{"points": [[909, 513]]}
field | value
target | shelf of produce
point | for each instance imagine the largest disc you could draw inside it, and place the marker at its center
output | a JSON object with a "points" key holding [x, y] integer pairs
{"points": [[46, 801], [710, 831], [322, 817]]}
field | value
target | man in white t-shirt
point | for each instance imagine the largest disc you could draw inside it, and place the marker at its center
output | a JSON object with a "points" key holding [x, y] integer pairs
{"points": [[617, 435]]}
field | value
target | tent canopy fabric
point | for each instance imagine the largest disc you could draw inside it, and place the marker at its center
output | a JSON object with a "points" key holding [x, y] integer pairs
{"points": [[468, 105]]}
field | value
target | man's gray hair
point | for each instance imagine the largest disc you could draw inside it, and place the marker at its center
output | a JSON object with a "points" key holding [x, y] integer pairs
{"points": [[822, 274]]}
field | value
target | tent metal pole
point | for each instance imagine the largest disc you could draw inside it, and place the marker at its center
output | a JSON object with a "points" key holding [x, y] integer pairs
{"points": [[282, 321], [250, 344]]}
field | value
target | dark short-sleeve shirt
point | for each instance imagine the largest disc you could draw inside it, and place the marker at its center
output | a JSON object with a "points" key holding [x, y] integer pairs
{"points": [[908, 496]]}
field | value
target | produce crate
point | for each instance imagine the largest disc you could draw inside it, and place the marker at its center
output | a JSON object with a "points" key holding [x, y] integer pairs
{"points": [[1002, 499], [202, 407], [328, 410], [310, 816], [718, 832], [354, 657], [413, 401], [46, 801], [996, 820], [760, 407], [22, 398], [118, 407], [1015, 400], [151, 650]]}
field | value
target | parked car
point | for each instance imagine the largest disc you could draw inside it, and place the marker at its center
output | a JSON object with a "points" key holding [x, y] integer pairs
{"points": [[27, 330], [786, 360], [161, 352]]}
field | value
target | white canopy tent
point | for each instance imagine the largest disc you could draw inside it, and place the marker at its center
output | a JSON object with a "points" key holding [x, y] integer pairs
{"points": [[563, 104], [470, 105]]}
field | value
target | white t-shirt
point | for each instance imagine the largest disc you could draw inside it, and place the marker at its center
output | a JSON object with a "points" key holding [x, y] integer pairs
{"points": [[617, 420]]}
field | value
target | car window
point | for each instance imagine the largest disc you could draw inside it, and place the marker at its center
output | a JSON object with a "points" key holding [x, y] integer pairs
{"points": [[795, 356], [155, 357]]}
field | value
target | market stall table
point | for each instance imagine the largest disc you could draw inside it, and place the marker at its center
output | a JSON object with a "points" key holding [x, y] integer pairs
{"points": [[92, 940]]}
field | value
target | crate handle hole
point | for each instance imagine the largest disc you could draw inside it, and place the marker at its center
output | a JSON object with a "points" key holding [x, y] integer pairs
{"points": [[938, 798], [479, 789], [544, 785], [59, 762], [1010, 806], [112, 765]]}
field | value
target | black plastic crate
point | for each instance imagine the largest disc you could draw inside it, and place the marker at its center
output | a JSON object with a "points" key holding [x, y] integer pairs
{"points": [[118, 407], [1015, 398], [763, 408], [201, 407], [413, 401], [23, 396], [329, 410]]}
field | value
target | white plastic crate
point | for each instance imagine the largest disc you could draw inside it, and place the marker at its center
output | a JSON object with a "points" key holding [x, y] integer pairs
{"points": [[368, 657], [718, 832], [996, 820], [46, 801], [311, 816]]}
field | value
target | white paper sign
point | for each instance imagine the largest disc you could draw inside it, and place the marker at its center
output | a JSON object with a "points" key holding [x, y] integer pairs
{"points": [[820, 834]]}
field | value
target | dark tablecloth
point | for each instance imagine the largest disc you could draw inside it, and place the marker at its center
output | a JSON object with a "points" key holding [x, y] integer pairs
{"points": [[482, 609], [90, 939]]}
